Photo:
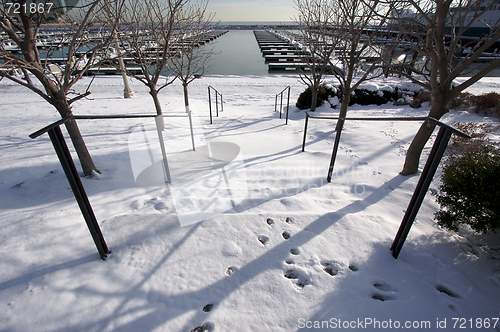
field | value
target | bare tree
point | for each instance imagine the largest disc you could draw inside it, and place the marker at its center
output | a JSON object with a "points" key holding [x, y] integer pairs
{"points": [[83, 39], [341, 35], [191, 60], [149, 34], [439, 30], [349, 31], [358, 34], [315, 25]]}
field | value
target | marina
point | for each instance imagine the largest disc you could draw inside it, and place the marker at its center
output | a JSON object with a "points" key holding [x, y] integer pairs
{"points": [[240, 51], [53, 46], [281, 55]]}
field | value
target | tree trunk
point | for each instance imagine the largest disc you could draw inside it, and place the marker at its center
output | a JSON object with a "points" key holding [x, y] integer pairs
{"points": [[314, 97], [346, 98], [186, 97], [415, 150], [76, 138], [80, 148], [156, 100], [424, 133]]}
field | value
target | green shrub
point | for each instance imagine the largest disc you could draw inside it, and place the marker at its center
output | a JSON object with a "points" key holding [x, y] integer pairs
{"points": [[470, 190], [368, 97], [305, 98]]}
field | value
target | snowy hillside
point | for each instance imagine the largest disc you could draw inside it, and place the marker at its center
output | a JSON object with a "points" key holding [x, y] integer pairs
{"points": [[296, 254]]}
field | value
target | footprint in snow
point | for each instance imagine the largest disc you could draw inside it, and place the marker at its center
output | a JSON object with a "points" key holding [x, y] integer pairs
{"points": [[384, 292], [286, 235], [206, 327], [302, 279], [208, 307], [330, 267], [230, 270], [270, 221], [446, 290], [160, 206], [263, 239], [295, 251]]}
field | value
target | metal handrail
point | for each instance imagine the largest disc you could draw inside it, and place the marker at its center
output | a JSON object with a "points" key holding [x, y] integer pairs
{"points": [[422, 118], [425, 179], [86, 117], [73, 177], [217, 93], [281, 102]]}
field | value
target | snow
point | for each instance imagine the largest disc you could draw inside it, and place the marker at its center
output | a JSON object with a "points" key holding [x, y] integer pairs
{"points": [[296, 253], [370, 86]]}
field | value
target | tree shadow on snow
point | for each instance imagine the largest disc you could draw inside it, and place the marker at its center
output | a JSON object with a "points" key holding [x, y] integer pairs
{"points": [[152, 316]]}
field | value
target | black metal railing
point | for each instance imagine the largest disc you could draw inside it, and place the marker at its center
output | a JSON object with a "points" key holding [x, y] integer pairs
{"points": [[73, 177], [280, 96], [425, 179], [217, 95]]}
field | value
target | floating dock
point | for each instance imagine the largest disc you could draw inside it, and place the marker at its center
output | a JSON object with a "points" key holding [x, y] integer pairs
{"points": [[279, 53], [282, 55], [110, 64]]}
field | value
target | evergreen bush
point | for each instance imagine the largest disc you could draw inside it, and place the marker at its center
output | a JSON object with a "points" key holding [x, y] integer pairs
{"points": [[305, 98], [470, 190], [369, 97], [359, 96]]}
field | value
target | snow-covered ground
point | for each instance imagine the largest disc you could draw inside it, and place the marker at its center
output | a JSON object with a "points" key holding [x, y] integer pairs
{"points": [[297, 254]]}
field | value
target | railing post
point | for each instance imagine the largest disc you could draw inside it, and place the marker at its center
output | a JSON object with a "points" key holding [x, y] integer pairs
{"points": [[281, 102], [217, 104], [305, 133], [423, 184], [287, 105], [210, 104], [340, 126], [81, 197], [217, 94]]}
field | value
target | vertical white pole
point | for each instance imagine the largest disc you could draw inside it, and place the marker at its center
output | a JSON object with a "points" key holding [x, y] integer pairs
{"points": [[192, 134]]}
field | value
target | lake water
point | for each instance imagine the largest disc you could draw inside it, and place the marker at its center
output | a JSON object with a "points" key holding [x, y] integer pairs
{"points": [[236, 53]]}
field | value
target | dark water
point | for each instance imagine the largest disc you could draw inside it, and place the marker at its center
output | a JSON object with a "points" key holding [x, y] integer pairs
{"points": [[236, 53]]}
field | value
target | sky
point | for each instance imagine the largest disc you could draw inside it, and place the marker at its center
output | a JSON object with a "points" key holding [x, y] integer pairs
{"points": [[253, 10]]}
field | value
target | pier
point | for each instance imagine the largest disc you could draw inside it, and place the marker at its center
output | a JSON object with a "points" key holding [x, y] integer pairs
{"points": [[281, 54], [109, 63]]}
